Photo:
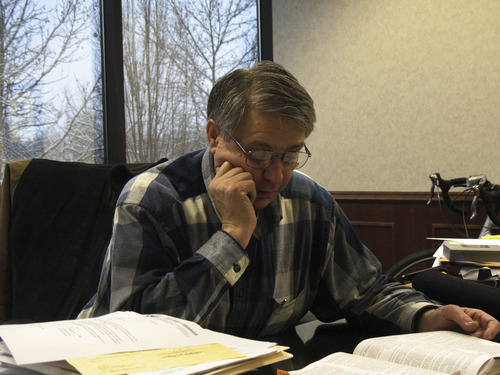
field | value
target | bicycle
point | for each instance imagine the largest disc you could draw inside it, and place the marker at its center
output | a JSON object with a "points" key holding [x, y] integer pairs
{"points": [[484, 191]]}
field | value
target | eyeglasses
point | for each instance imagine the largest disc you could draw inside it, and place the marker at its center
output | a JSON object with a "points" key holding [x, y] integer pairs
{"points": [[262, 159]]}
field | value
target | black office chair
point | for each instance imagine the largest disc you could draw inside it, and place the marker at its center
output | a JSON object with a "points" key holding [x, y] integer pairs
{"points": [[446, 287], [56, 221]]}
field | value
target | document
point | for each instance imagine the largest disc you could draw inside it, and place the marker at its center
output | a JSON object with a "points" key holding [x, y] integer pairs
{"points": [[127, 342], [428, 353]]}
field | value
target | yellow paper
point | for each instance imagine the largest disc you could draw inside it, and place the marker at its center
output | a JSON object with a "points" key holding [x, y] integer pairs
{"points": [[148, 360], [480, 264]]}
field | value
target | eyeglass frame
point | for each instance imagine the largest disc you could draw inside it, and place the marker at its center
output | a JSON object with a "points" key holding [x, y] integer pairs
{"points": [[273, 157]]}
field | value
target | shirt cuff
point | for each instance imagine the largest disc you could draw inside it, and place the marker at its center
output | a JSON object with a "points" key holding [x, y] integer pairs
{"points": [[418, 315], [227, 255]]}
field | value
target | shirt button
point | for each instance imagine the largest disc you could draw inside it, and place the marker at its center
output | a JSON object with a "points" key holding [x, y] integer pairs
{"points": [[236, 267]]}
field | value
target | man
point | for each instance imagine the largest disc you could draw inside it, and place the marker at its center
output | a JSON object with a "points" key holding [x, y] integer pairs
{"points": [[235, 239]]}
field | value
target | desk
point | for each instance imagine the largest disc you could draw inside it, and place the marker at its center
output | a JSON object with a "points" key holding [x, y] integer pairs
{"points": [[312, 341], [309, 342]]}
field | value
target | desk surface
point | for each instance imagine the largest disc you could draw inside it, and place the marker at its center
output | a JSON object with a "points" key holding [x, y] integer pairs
{"points": [[312, 341]]}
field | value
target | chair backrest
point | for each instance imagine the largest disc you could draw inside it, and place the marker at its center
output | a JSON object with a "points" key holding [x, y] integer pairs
{"points": [[56, 226]]}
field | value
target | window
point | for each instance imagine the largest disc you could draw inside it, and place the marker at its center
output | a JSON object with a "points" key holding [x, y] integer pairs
{"points": [[173, 51], [152, 70], [50, 80]]}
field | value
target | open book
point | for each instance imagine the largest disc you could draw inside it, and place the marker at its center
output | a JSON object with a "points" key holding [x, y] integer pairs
{"points": [[432, 353], [128, 343]]}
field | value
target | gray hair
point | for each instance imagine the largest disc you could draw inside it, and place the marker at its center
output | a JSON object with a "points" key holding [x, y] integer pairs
{"points": [[266, 87]]}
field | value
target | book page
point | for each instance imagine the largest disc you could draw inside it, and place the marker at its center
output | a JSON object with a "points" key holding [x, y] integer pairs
{"points": [[348, 364], [442, 351]]}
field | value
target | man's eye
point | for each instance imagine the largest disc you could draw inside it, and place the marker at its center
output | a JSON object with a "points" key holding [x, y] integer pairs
{"points": [[261, 155], [291, 156]]}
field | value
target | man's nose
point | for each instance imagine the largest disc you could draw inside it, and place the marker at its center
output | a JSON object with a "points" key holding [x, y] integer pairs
{"points": [[274, 172]]}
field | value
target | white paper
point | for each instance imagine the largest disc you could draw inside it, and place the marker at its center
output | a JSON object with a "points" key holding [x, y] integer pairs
{"points": [[469, 241], [112, 333]]}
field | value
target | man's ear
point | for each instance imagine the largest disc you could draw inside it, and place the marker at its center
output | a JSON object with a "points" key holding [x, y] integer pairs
{"points": [[213, 132]]}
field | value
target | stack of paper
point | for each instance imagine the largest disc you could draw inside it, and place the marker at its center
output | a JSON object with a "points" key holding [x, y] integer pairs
{"points": [[129, 343]]}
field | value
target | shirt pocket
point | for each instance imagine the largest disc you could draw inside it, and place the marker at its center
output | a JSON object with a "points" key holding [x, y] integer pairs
{"points": [[287, 311]]}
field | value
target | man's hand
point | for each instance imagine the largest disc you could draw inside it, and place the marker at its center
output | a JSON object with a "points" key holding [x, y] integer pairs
{"points": [[233, 192], [461, 319]]}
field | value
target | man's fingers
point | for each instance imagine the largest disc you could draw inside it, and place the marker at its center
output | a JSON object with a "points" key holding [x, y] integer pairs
{"points": [[223, 169], [251, 190], [476, 322], [456, 314], [470, 321], [233, 182], [489, 325], [233, 191]]}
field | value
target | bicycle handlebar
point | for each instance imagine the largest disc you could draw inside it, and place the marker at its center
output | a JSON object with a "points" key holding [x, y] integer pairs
{"points": [[445, 186], [482, 188]]}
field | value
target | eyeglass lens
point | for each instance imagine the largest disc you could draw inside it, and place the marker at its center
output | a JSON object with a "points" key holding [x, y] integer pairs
{"points": [[263, 159]]}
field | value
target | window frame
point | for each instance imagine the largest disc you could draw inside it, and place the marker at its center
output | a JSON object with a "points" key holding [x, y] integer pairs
{"points": [[112, 72]]}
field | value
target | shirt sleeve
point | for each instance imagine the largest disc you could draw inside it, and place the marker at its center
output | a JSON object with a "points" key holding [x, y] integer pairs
{"points": [[147, 271], [353, 277]]}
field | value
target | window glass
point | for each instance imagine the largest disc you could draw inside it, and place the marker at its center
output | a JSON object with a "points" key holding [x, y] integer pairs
{"points": [[174, 51], [50, 74], [50, 90]]}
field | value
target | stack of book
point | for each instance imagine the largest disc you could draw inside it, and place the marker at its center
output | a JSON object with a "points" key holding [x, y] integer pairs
{"points": [[480, 251]]}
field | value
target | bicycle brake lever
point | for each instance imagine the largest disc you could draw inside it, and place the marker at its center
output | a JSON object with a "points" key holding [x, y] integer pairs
{"points": [[475, 189], [435, 182], [473, 182], [479, 179]]}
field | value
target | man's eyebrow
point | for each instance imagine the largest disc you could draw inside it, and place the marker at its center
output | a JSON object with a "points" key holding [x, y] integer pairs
{"points": [[298, 146], [295, 147]]}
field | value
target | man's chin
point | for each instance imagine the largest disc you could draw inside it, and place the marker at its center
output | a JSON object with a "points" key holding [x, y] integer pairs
{"points": [[262, 202]]}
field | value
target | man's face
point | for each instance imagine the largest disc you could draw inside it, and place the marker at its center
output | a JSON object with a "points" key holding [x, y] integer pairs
{"points": [[260, 131]]}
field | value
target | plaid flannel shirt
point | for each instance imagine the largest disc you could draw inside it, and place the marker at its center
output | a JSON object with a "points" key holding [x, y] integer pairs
{"points": [[169, 255]]}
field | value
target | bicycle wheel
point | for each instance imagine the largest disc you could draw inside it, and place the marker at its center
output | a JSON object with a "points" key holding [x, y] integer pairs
{"points": [[413, 262]]}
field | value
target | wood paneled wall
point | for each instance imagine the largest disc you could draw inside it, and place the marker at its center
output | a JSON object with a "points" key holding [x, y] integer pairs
{"points": [[394, 225]]}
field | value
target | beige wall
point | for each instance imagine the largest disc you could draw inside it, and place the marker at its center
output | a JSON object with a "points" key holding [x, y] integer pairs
{"points": [[403, 88]]}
